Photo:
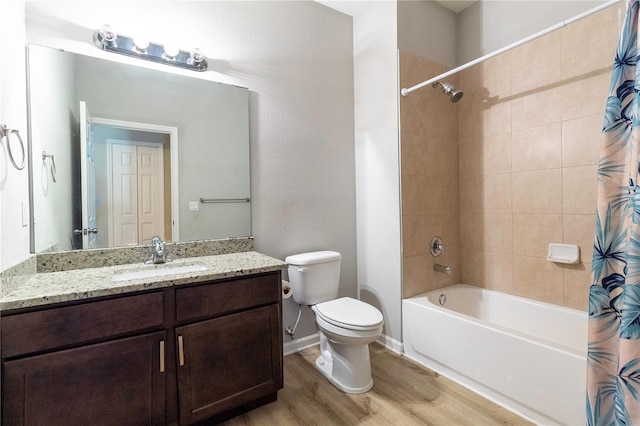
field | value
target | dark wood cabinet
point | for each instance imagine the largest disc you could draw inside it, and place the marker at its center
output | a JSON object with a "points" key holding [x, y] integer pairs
{"points": [[178, 355], [227, 362], [121, 382]]}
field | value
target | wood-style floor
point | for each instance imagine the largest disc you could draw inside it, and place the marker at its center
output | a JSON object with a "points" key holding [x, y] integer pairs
{"points": [[403, 393]]}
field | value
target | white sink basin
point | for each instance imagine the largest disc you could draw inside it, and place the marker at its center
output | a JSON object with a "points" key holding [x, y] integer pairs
{"points": [[158, 272]]}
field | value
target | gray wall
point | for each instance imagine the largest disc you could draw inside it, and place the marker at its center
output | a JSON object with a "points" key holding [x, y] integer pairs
{"points": [[53, 130], [428, 29]]}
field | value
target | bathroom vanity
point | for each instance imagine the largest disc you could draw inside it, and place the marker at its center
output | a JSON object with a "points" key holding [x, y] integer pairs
{"points": [[174, 349]]}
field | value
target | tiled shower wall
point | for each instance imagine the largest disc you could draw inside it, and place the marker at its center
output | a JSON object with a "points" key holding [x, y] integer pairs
{"points": [[429, 178], [528, 138]]}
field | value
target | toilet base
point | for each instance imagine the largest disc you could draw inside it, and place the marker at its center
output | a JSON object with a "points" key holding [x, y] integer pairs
{"points": [[326, 368], [347, 367]]}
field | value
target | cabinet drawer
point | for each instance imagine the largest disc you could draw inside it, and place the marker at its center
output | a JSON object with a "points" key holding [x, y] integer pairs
{"points": [[218, 298], [52, 328]]}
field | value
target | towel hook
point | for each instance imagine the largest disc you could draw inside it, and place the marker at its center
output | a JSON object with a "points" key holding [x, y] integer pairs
{"points": [[5, 133], [53, 164]]}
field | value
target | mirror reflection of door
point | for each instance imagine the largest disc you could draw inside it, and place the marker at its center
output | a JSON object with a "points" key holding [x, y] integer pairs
{"points": [[136, 192], [88, 179]]}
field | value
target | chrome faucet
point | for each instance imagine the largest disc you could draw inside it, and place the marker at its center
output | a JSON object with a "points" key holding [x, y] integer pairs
{"points": [[442, 268], [158, 251]]}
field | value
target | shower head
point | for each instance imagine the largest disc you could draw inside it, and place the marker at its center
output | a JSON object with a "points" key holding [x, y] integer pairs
{"points": [[454, 94]]}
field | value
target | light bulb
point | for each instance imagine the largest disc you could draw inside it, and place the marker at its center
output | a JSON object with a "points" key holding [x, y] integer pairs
{"points": [[107, 36], [171, 51], [197, 56], [141, 44]]}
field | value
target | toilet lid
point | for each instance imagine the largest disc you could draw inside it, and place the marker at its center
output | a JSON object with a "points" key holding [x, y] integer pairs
{"points": [[350, 313]]}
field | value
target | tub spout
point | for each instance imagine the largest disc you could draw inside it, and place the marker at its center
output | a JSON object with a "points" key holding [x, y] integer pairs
{"points": [[442, 268]]}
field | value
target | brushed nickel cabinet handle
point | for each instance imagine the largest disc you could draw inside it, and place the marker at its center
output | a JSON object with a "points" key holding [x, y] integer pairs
{"points": [[162, 356], [180, 351]]}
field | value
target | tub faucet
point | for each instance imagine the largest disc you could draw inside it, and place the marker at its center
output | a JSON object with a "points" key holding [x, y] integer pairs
{"points": [[158, 251], [442, 268]]}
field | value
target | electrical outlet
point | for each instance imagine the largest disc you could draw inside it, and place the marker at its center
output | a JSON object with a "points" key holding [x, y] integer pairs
{"points": [[25, 214], [194, 205]]}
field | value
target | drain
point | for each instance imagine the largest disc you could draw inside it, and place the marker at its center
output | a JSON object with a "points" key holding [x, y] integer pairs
{"points": [[442, 299]]}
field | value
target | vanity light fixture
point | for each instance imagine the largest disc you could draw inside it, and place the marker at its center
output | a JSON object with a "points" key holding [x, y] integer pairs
{"points": [[107, 39]]}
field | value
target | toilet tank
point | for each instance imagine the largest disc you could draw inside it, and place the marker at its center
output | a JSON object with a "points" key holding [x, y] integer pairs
{"points": [[314, 276]]}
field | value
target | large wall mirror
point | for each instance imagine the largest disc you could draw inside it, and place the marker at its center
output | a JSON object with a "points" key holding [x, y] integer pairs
{"points": [[121, 153]]}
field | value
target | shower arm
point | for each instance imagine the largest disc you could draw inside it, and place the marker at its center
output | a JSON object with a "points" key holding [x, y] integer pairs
{"points": [[552, 28]]}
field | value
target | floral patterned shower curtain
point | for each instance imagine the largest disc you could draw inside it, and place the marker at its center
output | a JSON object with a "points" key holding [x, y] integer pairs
{"points": [[613, 374]]}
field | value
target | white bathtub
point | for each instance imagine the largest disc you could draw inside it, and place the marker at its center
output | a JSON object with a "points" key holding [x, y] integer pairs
{"points": [[527, 356]]}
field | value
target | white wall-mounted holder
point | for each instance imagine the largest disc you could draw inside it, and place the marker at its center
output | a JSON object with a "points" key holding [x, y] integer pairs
{"points": [[52, 164], [564, 253], [5, 134]]}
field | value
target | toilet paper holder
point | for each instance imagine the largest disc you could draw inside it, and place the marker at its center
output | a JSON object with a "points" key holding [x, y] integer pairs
{"points": [[287, 291]]}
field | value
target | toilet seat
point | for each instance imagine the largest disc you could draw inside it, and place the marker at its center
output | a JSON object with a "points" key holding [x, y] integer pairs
{"points": [[349, 314]]}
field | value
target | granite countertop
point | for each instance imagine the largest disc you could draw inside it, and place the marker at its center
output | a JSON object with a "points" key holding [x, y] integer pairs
{"points": [[78, 284]]}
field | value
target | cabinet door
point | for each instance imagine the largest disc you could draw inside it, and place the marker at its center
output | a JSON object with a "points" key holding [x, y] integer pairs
{"points": [[121, 382], [228, 361]]}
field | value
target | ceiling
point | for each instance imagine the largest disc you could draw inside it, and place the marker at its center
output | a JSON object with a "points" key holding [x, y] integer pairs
{"points": [[456, 5], [351, 7]]}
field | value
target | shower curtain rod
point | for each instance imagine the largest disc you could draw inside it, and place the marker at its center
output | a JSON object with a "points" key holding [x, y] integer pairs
{"points": [[405, 91]]}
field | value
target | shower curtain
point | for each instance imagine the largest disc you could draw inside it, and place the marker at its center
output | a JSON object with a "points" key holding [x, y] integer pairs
{"points": [[613, 372]]}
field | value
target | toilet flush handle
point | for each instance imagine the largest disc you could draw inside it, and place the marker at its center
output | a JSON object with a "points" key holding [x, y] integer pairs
{"points": [[303, 269]]}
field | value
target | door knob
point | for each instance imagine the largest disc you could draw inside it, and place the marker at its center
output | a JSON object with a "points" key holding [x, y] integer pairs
{"points": [[85, 231]]}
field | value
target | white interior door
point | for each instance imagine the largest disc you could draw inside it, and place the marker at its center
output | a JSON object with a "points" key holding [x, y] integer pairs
{"points": [[136, 194], [123, 198], [88, 178], [150, 193]]}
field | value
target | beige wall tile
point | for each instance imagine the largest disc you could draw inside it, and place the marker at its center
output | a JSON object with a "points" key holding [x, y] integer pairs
{"points": [[498, 233], [539, 279], [541, 71], [439, 158], [471, 162], [412, 154], [414, 278], [532, 233], [537, 192], [600, 32], [471, 231], [581, 140], [497, 193], [580, 230], [538, 148], [440, 194], [412, 195], [496, 117], [577, 281], [496, 153], [494, 271], [536, 108], [585, 96], [419, 275], [471, 109], [414, 235], [472, 194], [496, 77], [579, 188], [417, 232], [467, 266]]}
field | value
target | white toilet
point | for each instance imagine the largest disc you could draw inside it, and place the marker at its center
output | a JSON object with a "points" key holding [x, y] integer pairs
{"points": [[347, 325]]}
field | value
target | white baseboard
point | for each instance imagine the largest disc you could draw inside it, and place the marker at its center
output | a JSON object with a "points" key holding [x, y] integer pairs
{"points": [[296, 345], [392, 344]]}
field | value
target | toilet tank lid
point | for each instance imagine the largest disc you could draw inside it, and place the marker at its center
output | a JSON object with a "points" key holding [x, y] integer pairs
{"points": [[313, 257]]}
